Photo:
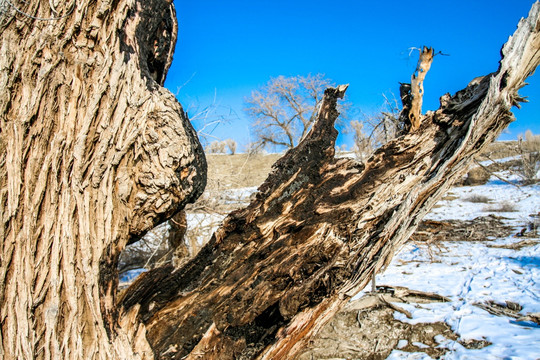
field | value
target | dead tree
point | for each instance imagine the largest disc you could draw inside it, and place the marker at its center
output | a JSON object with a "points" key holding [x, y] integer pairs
{"points": [[95, 152], [276, 271], [417, 86], [412, 95], [283, 111]]}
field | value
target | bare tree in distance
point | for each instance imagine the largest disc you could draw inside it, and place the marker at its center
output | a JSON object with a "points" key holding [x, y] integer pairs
{"points": [[373, 130], [221, 147], [529, 163], [284, 110], [362, 146]]}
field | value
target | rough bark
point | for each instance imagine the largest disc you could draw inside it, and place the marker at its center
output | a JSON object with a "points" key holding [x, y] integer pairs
{"points": [[276, 271], [94, 152]]}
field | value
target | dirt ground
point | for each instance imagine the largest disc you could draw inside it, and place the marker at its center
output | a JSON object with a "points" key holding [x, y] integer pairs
{"points": [[367, 329]]}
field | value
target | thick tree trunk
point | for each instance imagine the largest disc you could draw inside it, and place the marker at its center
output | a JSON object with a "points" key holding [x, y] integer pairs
{"points": [[94, 152], [278, 270]]}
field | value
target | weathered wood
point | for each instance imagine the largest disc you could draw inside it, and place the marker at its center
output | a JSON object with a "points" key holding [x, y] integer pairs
{"points": [[417, 86], [93, 152], [412, 94], [276, 271]]}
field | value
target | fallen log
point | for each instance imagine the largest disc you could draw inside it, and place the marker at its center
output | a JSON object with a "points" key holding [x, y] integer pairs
{"points": [[319, 227]]}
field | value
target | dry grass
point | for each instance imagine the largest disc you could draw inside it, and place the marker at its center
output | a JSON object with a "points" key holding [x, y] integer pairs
{"points": [[478, 199], [501, 207], [500, 150], [239, 170], [247, 170]]}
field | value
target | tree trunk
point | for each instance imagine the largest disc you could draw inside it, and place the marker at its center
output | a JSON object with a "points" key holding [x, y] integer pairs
{"points": [[320, 227], [95, 152]]}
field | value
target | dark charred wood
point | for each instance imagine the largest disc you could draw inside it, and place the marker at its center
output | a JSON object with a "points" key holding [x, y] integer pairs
{"points": [[320, 227]]}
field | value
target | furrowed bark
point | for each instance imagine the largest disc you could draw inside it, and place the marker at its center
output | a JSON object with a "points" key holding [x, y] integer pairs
{"points": [[278, 270], [94, 152]]}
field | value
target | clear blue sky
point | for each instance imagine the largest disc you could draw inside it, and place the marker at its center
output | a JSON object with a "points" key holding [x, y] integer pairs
{"points": [[226, 49]]}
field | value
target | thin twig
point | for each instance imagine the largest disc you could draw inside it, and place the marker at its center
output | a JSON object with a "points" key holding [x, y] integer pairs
{"points": [[497, 176], [39, 18]]}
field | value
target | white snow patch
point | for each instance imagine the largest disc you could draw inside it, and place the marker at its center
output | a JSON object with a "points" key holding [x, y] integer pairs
{"points": [[402, 343], [525, 200], [473, 272]]}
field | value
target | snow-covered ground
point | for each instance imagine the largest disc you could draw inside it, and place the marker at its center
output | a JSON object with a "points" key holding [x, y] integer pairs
{"points": [[476, 272]]}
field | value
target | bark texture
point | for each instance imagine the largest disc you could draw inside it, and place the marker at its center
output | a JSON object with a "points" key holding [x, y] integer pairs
{"points": [[94, 152], [276, 271]]}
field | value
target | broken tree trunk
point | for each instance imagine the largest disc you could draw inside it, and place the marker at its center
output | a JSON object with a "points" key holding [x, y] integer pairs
{"points": [[417, 86], [319, 227], [412, 95], [93, 153]]}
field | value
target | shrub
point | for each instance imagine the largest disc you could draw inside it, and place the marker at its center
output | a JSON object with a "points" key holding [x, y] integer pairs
{"points": [[502, 207], [216, 147], [231, 145], [529, 164], [220, 147], [478, 199]]}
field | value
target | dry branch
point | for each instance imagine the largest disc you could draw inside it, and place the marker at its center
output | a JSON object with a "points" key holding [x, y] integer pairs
{"points": [[417, 86]]}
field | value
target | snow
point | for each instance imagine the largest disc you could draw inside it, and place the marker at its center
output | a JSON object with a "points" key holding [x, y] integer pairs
{"points": [[397, 354], [402, 343], [475, 272], [525, 200], [239, 195]]}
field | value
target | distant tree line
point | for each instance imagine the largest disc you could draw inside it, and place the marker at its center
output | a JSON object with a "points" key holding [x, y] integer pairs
{"points": [[222, 147]]}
